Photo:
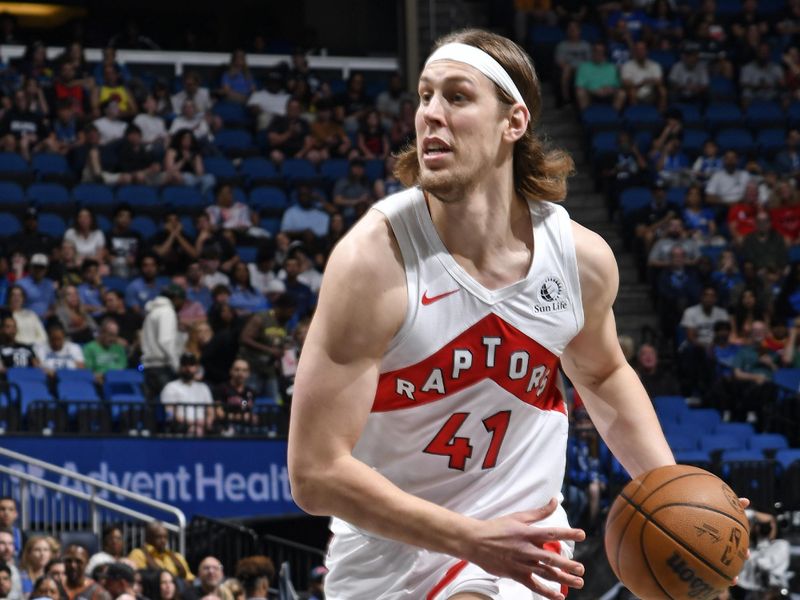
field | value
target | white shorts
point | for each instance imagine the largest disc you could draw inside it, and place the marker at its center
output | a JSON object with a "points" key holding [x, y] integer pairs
{"points": [[363, 567]]}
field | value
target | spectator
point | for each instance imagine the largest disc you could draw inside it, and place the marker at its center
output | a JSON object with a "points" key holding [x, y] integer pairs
{"points": [[159, 344], [110, 126], [742, 214], [785, 214], [174, 246], [112, 89], [77, 585], [694, 354], [58, 352], [236, 83], [389, 184], [29, 327], [78, 324], [128, 322], [585, 466], [105, 353], [119, 581], [726, 277], [160, 584], [270, 102], [66, 134], [788, 160], [304, 220], [8, 554], [135, 163], [90, 291], [656, 381], [69, 91], [309, 276], [47, 587], [355, 101], [643, 79], [661, 253], [707, 163], [403, 131], [35, 555], [597, 81], [672, 164], [287, 134], [152, 126], [262, 270], [193, 91], [123, 244], [302, 293], [627, 167], [145, 287], [256, 573], [263, 341], [316, 583], [40, 291], [761, 79], [89, 240], [199, 336], [195, 290], [235, 398], [210, 576], [113, 548], [688, 78], [245, 299], [22, 130], [388, 101], [230, 214], [728, 185], [698, 219], [183, 162], [326, 136], [219, 354], [191, 120], [13, 354], [351, 194], [373, 142], [677, 288], [753, 368], [30, 240], [8, 519], [55, 569], [210, 266], [569, 55], [5, 580], [765, 247], [155, 553]]}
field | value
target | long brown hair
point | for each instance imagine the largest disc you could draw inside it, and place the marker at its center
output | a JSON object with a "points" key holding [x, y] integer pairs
{"points": [[539, 174]]}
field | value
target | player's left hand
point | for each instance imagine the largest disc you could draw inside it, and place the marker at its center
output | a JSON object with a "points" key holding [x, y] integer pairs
{"points": [[745, 502]]}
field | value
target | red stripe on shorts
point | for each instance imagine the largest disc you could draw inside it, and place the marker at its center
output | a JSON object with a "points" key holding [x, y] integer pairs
{"points": [[451, 574], [556, 547]]}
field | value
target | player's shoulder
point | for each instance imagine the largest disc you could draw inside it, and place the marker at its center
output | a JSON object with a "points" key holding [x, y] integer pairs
{"points": [[597, 267]]}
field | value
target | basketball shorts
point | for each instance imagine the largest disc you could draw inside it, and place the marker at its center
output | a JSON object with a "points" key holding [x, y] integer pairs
{"points": [[363, 567]]}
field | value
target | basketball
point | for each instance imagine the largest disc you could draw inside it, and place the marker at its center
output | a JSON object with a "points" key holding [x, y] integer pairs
{"points": [[677, 532]]}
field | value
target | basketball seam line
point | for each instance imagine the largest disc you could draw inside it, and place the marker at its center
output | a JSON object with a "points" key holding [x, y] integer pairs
{"points": [[676, 539], [647, 561], [628, 524]]}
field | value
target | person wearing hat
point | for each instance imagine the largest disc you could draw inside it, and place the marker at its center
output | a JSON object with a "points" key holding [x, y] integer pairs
{"points": [[188, 402], [688, 78], [160, 352], [39, 289], [30, 240]]}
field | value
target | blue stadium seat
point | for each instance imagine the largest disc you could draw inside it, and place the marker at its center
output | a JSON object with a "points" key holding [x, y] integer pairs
{"points": [[234, 142], [123, 385], [26, 374], [72, 375], [94, 196], [144, 226], [643, 116], [51, 196], [693, 140], [634, 198], [690, 114], [545, 35], [677, 196], [665, 58], [233, 114], [764, 113], [604, 143], [50, 166], [12, 197], [271, 224], [721, 89], [30, 392], [767, 441], [793, 114], [144, 198], [737, 455], [788, 379], [52, 224], [9, 224], [247, 254], [184, 199], [220, 167], [740, 430], [298, 169], [788, 456], [643, 139], [735, 138], [374, 169], [706, 418], [697, 458], [719, 116], [794, 254], [771, 141], [712, 252], [681, 443], [711, 443], [13, 166], [112, 282], [591, 32], [77, 391], [671, 406], [268, 200], [256, 169], [188, 225], [334, 168]]}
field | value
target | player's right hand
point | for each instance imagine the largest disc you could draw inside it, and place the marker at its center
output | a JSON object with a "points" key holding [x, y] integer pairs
{"points": [[511, 547]]}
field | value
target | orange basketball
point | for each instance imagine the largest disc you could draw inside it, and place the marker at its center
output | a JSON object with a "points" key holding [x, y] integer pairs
{"points": [[677, 532]]}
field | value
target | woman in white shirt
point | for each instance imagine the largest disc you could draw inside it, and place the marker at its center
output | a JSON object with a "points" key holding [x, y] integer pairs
{"points": [[30, 330], [88, 239]]}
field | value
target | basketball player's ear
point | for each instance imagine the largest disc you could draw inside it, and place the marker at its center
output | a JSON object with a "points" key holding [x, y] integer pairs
{"points": [[518, 119]]}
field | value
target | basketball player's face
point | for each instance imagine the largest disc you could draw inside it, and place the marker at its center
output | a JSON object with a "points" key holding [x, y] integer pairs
{"points": [[459, 125]]}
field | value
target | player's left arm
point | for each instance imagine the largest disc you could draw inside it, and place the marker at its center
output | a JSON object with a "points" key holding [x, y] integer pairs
{"points": [[612, 392]]}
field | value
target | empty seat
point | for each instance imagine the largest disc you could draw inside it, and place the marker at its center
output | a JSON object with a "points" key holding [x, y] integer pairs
{"points": [[256, 169], [80, 375], [183, 199], [220, 167], [268, 201], [335, 168], [693, 140], [95, 196], [681, 443], [233, 114], [51, 167], [737, 139], [52, 224], [52, 197], [788, 379], [767, 442], [719, 116], [604, 143], [706, 418], [741, 430], [234, 142], [144, 226], [374, 169], [634, 198], [26, 374], [81, 391], [12, 197], [712, 443], [764, 113], [672, 405], [643, 116], [9, 224], [13, 166], [298, 169], [144, 198]]}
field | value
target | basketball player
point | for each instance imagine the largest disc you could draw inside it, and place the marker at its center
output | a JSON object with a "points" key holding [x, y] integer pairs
{"points": [[426, 416]]}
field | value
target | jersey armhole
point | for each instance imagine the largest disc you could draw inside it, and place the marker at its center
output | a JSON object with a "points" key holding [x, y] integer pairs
{"points": [[571, 269]]}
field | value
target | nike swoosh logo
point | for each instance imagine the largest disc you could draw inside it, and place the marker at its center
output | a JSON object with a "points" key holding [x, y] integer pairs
{"points": [[426, 300]]}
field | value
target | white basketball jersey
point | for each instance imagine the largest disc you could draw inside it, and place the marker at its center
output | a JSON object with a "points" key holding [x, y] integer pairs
{"points": [[467, 413]]}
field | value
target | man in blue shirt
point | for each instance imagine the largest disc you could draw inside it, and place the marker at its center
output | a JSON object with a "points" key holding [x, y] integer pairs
{"points": [[40, 290], [144, 288], [304, 218]]}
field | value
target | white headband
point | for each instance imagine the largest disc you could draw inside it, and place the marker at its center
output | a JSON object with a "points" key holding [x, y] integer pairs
{"points": [[480, 60]]}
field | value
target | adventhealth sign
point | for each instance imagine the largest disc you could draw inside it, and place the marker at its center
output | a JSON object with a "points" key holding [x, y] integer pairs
{"points": [[216, 478]]}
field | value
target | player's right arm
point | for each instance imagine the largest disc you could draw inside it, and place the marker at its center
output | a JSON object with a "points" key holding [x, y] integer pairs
{"points": [[362, 305]]}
